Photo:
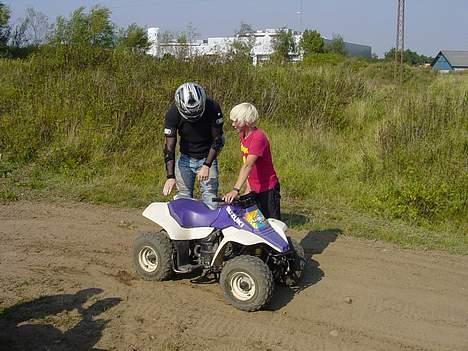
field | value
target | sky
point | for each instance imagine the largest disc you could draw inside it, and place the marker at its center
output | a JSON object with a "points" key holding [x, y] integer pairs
{"points": [[430, 26]]}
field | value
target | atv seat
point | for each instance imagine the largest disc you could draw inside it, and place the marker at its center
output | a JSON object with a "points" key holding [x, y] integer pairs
{"points": [[190, 213]]}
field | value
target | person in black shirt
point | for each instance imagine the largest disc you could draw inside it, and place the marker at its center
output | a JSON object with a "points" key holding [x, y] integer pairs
{"points": [[199, 122]]}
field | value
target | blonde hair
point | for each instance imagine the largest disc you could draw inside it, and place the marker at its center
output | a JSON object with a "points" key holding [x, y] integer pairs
{"points": [[244, 113]]}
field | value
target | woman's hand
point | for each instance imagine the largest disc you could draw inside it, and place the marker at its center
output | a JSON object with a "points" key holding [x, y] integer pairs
{"points": [[230, 196], [203, 173]]}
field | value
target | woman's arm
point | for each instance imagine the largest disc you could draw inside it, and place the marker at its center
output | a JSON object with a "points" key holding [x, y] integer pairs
{"points": [[243, 175], [247, 189]]}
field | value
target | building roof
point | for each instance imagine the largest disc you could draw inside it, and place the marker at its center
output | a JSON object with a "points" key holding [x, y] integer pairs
{"points": [[455, 58]]}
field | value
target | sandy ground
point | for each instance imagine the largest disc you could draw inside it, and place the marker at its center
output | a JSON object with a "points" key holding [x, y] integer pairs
{"points": [[67, 283]]}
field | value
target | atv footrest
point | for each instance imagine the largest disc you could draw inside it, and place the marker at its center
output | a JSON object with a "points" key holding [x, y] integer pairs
{"points": [[187, 268]]}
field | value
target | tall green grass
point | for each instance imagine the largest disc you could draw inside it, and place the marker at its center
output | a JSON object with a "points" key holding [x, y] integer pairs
{"points": [[88, 123]]}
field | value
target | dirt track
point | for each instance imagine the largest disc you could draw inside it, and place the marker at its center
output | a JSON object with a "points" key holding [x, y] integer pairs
{"points": [[67, 283]]}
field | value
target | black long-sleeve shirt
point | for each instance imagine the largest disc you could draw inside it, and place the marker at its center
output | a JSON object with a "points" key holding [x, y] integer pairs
{"points": [[197, 139]]}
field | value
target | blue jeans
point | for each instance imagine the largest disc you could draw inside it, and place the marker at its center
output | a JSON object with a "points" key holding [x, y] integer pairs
{"points": [[186, 172]]}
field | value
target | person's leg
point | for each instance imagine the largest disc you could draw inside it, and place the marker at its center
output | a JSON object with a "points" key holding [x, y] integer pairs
{"points": [[185, 178], [262, 203], [275, 208], [269, 202], [209, 188]]}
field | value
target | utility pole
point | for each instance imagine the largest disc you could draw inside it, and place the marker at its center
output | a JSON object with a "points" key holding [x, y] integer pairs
{"points": [[299, 13], [400, 41]]}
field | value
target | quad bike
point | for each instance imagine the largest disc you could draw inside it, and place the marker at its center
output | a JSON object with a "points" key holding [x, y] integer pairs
{"points": [[234, 242]]}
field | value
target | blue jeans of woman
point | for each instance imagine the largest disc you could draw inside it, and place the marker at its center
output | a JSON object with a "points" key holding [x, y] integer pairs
{"points": [[186, 173]]}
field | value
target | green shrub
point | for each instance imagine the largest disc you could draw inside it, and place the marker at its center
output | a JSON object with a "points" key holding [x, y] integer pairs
{"points": [[313, 59], [422, 201]]}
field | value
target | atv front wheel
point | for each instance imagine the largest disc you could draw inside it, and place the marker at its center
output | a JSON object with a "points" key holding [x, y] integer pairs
{"points": [[298, 263], [152, 255], [247, 283]]}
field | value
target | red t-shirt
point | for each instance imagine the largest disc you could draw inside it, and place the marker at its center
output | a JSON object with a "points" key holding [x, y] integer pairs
{"points": [[262, 177]]}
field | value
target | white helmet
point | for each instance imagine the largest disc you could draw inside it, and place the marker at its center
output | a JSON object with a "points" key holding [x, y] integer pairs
{"points": [[190, 100]]}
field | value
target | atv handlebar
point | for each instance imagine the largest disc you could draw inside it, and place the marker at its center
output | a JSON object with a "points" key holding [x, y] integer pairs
{"points": [[245, 201], [217, 199]]}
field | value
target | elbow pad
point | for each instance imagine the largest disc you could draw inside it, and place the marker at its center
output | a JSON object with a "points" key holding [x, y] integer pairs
{"points": [[218, 143], [169, 155]]}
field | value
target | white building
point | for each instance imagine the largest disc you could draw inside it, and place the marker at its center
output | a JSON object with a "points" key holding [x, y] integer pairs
{"points": [[263, 46]]}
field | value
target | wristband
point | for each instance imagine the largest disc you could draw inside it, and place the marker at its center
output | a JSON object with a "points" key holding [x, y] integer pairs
{"points": [[206, 164], [236, 189], [170, 176]]}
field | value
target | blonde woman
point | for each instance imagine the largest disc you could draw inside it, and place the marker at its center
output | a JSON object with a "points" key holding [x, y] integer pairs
{"points": [[257, 171]]}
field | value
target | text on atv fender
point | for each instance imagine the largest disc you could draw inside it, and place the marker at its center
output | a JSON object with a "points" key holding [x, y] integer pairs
{"points": [[234, 217]]}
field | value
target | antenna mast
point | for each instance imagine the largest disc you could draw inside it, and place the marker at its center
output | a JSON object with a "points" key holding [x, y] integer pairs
{"points": [[400, 40]]}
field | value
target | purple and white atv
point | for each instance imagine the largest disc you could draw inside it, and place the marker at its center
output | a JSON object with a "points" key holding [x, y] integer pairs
{"points": [[235, 242]]}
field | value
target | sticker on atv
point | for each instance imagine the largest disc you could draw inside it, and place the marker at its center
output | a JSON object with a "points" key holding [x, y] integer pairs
{"points": [[255, 218]]}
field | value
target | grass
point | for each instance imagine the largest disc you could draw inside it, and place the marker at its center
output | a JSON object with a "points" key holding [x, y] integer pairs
{"points": [[385, 163], [317, 217]]}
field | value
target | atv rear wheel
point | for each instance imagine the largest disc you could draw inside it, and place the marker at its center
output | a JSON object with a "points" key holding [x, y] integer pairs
{"points": [[152, 255], [247, 283]]}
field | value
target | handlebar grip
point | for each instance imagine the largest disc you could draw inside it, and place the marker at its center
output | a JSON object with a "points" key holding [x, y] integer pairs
{"points": [[217, 199]]}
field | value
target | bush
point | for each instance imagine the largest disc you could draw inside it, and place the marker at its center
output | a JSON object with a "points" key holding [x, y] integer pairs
{"points": [[313, 59], [422, 201]]}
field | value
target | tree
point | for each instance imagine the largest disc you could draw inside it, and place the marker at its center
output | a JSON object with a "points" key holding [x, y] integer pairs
{"points": [[283, 44], [336, 45], [244, 42], [101, 27], [409, 57], [311, 42], [93, 29], [4, 29], [182, 49], [134, 38], [244, 29], [33, 30], [242, 47], [166, 37], [77, 28]]}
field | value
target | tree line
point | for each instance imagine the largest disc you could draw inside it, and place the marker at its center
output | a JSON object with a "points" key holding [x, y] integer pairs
{"points": [[94, 28], [83, 28]]}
